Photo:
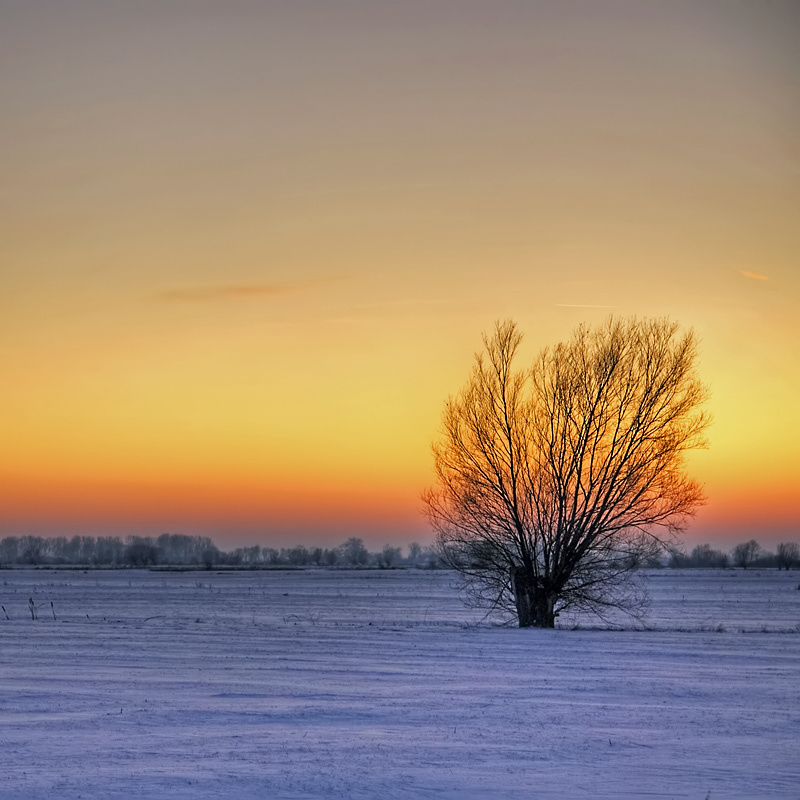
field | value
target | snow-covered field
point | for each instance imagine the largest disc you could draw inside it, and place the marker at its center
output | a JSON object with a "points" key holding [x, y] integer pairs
{"points": [[381, 684]]}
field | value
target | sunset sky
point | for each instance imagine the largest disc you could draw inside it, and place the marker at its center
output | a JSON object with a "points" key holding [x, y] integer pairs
{"points": [[247, 249]]}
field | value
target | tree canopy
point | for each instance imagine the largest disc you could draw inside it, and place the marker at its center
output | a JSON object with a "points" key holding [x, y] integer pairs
{"points": [[556, 482]]}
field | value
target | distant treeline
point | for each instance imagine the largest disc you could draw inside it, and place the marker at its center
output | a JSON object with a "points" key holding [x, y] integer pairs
{"points": [[747, 554], [172, 549]]}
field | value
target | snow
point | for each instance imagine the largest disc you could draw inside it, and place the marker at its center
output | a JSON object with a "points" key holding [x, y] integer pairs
{"points": [[365, 684]]}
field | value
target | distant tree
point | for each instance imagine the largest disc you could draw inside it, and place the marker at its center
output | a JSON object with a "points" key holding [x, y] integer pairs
{"points": [[56, 550], [209, 557], [354, 553], [81, 550], [705, 556], [298, 556], [109, 550], [746, 553], [389, 557], [787, 555], [556, 483], [9, 550], [678, 558], [198, 548], [271, 556], [330, 557], [251, 555], [31, 550], [414, 553], [172, 548], [431, 558], [141, 552], [656, 560]]}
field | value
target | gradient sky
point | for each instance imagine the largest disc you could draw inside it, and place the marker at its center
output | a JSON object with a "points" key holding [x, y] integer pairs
{"points": [[247, 249]]}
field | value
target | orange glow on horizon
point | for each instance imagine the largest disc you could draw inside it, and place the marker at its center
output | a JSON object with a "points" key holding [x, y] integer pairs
{"points": [[230, 513]]}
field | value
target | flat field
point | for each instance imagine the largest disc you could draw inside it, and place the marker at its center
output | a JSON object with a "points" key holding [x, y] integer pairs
{"points": [[362, 684]]}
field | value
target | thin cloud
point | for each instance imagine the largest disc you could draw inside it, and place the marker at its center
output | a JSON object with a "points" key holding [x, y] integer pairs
{"points": [[238, 291], [755, 276]]}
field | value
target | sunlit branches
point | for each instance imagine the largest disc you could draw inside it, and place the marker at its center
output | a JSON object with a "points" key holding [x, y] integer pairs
{"points": [[560, 480]]}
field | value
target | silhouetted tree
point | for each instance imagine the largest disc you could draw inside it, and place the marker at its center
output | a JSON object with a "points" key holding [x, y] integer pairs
{"points": [[298, 555], [389, 557], [9, 550], [141, 552], [745, 553], [271, 556], [354, 552], [32, 550], [788, 555], [414, 553], [705, 556], [557, 482], [108, 550]]}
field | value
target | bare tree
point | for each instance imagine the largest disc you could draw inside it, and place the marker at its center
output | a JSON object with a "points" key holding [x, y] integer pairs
{"points": [[389, 557], [354, 552], [788, 555], [745, 553], [414, 553], [705, 556], [555, 483]]}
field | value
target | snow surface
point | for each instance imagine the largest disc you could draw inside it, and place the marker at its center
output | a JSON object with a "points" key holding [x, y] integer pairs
{"points": [[366, 684]]}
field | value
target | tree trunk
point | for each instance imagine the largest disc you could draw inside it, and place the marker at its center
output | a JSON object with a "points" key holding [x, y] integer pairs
{"points": [[535, 605]]}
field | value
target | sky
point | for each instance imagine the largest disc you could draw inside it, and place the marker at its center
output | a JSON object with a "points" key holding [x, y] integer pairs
{"points": [[248, 249]]}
